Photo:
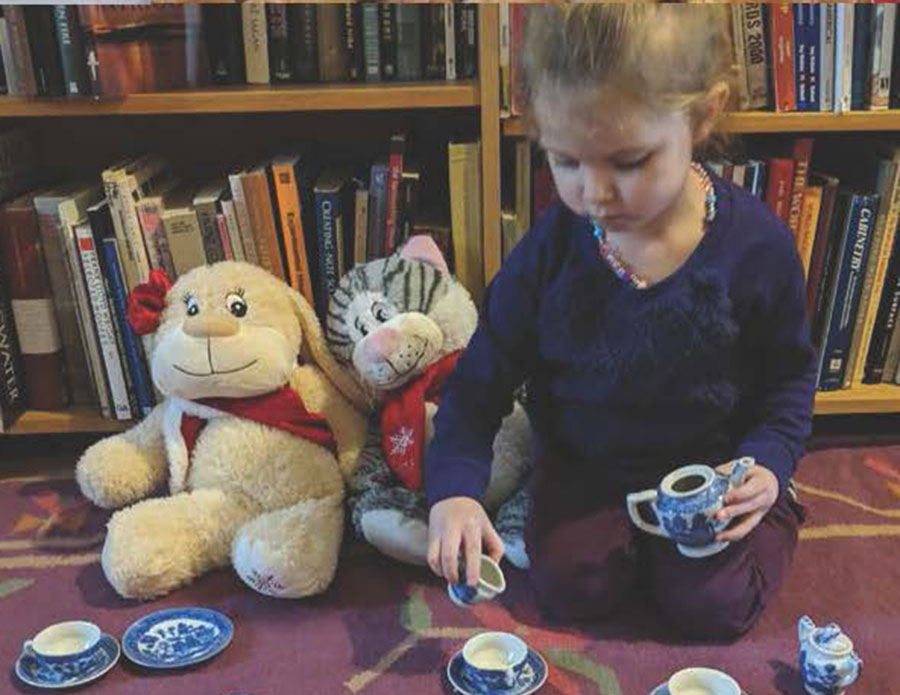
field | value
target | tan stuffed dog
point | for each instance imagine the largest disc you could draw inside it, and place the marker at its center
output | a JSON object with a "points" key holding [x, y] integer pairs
{"points": [[255, 448]]}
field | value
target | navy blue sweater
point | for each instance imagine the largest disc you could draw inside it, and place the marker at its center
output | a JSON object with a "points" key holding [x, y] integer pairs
{"points": [[624, 385]]}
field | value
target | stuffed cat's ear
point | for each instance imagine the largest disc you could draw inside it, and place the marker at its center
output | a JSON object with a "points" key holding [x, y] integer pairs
{"points": [[422, 248]]}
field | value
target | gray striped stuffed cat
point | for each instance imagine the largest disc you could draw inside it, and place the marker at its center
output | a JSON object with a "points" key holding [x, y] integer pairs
{"points": [[399, 323]]}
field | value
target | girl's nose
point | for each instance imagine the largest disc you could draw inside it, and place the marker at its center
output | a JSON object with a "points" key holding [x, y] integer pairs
{"points": [[598, 191]]}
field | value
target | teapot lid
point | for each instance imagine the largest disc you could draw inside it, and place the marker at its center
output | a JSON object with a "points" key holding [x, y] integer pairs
{"points": [[832, 640]]}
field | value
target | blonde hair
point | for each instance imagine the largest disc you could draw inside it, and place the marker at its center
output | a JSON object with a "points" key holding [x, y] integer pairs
{"points": [[663, 55]]}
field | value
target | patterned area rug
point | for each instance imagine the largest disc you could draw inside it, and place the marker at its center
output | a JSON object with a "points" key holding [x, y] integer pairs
{"points": [[384, 629]]}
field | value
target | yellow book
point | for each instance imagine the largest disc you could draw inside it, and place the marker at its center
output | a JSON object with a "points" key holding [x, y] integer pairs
{"points": [[809, 219], [465, 215], [287, 193]]}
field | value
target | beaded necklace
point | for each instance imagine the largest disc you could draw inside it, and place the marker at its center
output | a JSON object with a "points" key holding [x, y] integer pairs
{"points": [[610, 254]]}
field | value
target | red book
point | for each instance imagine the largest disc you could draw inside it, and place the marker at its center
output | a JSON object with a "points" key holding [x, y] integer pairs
{"points": [[778, 189], [802, 154], [32, 302], [395, 172], [781, 31]]}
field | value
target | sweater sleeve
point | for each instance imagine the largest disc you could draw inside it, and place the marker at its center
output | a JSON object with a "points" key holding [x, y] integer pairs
{"points": [[785, 361], [479, 394]]}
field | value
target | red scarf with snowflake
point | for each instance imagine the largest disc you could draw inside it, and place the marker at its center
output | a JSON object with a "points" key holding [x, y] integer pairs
{"points": [[282, 409], [403, 420]]}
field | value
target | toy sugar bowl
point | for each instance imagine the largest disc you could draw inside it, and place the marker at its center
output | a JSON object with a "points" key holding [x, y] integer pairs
{"points": [[828, 663]]}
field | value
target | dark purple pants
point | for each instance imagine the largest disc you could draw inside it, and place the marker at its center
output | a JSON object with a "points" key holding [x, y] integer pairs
{"points": [[584, 562]]}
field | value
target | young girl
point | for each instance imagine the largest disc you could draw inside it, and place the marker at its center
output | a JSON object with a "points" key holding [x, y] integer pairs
{"points": [[657, 316]]}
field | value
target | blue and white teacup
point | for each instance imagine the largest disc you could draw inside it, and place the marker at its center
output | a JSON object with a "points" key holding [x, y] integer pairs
{"points": [[491, 583], [493, 662], [71, 646], [685, 502]]}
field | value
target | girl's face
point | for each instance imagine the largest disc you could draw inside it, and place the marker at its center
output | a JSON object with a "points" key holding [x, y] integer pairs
{"points": [[614, 159]]}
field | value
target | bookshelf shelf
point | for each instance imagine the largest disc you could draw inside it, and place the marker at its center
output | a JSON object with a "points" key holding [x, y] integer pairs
{"points": [[77, 419], [773, 122], [264, 98], [876, 398]]}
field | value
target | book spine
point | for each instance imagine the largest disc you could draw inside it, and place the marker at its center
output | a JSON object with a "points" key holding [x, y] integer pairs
{"points": [[371, 42], [158, 252], [288, 196], [434, 50], [826, 55], [742, 86], [895, 72], [10, 75], [781, 32], [234, 231], [224, 36], [809, 217], [387, 32], [395, 172], [778, 191], [353, 42], [467, 41], [130, 342], [71, 50], [248, 240], [256, 42], [377, 210], [821, 272], [881, 68], [885, 319], [12, 375], [224, 239], [361, 222], [409, 42], [755, 54], [801, 12], [845, 299], [279, 52], [303, 38], [888, 216], [450, 70], [103, 322], [814, 57], [503, 40], [259, 205], [41, 27], [802, 155], [209, 229], [19, 49], [334, 64], [185, 239], [328, 210], [844, 58], [862, 55], [464, 206]]}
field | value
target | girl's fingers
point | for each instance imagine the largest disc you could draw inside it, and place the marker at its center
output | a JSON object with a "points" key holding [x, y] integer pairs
{"points": [[434, 554], [741, 529], [472, 543], [450, 555], [493, 544], [751, 487], [745, 506]]}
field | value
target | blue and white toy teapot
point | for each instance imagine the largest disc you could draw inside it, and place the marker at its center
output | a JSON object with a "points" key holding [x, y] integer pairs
{"points": [[828, 663]]}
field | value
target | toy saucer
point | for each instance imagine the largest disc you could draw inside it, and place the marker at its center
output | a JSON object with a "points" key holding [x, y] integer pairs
{"points": [[64, 675], [177, 637]]}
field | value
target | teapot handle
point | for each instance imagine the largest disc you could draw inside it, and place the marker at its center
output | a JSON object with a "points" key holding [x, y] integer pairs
{"points": [[632, 501]]}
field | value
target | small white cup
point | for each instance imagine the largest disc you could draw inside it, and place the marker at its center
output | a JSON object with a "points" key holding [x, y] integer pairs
{"points": [[493, 661], [68, 641], [491, 583], [702, 681]]}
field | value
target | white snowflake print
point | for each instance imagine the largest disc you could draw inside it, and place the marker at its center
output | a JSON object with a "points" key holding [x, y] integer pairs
{"points": [[265, 583], [402, 440]]}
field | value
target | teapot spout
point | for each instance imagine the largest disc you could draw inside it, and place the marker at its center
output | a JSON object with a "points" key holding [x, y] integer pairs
{"points": [[805, 628], [739, 470]]}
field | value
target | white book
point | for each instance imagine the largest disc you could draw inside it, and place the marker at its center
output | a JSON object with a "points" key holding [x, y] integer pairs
{"points": [[234, 231], [450, 40], [882, 54], [13, 88], [243, 217], [826, 56], [737, 38], [103, 321], [256, 42], [843, 58]]}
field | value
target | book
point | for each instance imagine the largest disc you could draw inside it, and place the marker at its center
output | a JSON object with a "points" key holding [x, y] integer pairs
{"points": [[844, 302], [387, 39], [31, 299], [40, 25], [182, 230], [778, 189], [71, 50], [256, 42], [9, 76], [801, 154], [334, 63], [12, 374], [224, 34], [245, 227], [262, 220], [103, 321], [280, 64], [806, 39], [843, 57], [332, 205], [465, 215], [466, 29], [303, 34], [434, 50], [409, 42], [21, 62], [814, 279], [287, 175], [395, 172], [371, 42], [504, 59], [207, 205], [781, 32], [378, 187], [883, 38], [885, 320], [234, 231], [862, 55], [149, 211], [809, 218], [450, 39], [827, 28], [352, 37]]}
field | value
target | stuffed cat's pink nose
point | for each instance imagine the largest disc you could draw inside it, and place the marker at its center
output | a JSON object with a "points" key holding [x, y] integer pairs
{"points": [[381, 344]]}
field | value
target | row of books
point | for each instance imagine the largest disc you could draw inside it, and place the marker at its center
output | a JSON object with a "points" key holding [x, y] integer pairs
{"points": [[833, 57], [843, 208], [111, 50], [70, 255]]}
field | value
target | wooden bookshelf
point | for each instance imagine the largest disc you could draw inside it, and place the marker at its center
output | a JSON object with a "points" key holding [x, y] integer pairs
{"points": [[78, 419], [774, 122], [255, 99], [876, 398]]}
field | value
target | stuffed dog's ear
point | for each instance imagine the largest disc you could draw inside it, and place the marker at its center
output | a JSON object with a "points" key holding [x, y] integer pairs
{"points": [[314, 350]]}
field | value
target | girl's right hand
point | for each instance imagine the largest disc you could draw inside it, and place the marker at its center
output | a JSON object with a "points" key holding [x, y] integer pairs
{"points": [[455, 522]]}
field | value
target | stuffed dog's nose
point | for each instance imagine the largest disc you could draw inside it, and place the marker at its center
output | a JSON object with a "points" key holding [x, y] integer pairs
{"points": [[211, 325], [381, 344]]}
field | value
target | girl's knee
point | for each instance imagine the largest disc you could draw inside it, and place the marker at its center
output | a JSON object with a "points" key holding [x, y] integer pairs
{"points": [[711, 614]]}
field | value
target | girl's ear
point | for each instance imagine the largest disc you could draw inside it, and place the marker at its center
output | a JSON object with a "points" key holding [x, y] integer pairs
{"points": [[707, 112], [422, 248]]}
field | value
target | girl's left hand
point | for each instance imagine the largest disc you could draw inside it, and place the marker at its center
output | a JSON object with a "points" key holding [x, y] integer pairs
{"points": [[750, 500]]}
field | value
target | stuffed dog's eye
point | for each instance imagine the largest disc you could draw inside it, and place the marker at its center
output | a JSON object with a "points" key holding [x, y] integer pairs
{"points": [[360, 326], [236, 305], [192, 307]]}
